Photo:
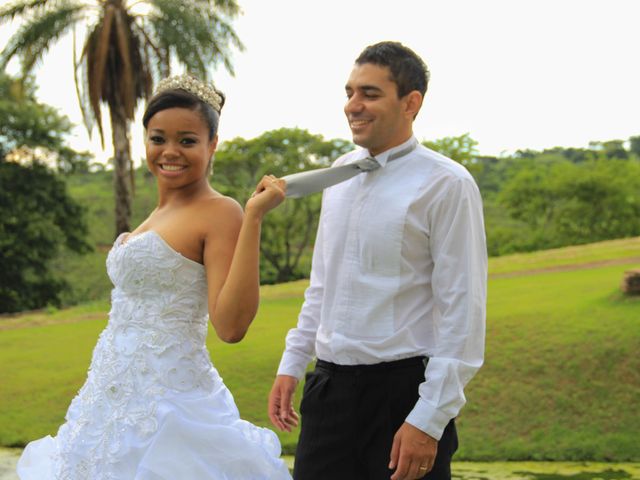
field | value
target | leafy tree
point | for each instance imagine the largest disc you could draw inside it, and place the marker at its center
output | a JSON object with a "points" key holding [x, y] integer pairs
{"points": [[287, 231], [127, 44], [531, 195], [462, 149], [610, 149], [491, 173], [563, 203], [34, 131], [601, 201], [37, 216], [575, 155]]}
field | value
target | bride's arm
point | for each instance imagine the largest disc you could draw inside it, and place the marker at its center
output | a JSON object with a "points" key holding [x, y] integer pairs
{"points": [[232, 260]]}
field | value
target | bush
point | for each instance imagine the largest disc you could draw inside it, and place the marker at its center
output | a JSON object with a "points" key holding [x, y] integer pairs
{"points": [[37, 220]]}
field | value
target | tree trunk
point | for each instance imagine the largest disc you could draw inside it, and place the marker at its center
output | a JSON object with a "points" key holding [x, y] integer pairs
{"points": [[285, 274], [121, 167]]}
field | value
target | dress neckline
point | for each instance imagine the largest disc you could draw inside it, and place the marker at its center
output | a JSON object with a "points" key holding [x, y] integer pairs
{"points": [[125, 238]]}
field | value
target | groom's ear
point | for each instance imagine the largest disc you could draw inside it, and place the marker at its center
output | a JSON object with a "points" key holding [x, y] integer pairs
{"points": [[413, 103]]}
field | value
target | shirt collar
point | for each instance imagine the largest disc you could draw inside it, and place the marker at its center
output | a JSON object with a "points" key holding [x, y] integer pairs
{"points": [[393, 153]]}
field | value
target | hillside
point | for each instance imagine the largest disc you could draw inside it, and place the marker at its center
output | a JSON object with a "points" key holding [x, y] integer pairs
{"points": [[561, 378]]}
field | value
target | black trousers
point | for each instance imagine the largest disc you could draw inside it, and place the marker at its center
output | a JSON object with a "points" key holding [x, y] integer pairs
{"points": [[350, 415]]}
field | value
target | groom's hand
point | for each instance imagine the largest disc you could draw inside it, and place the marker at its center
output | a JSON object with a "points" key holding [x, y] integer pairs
{"points": [[412, 454], [281, 411]]}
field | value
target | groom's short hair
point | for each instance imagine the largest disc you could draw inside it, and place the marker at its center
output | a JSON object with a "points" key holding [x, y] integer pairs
{"points": [[408, 70]]}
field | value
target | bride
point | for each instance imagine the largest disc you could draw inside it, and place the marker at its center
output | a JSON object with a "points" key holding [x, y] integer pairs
{"points": [[153, 406]]}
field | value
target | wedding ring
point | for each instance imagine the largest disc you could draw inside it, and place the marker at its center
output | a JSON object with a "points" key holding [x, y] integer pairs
{"points": [[422, 467]]}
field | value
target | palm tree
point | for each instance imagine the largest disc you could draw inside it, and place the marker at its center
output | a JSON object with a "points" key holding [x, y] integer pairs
{"points": [[127, 45]]}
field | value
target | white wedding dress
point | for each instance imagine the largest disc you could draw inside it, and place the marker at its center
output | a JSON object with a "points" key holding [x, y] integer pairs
{"points": [[153, 406]]}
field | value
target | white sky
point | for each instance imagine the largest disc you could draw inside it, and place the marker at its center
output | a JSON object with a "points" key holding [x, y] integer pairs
{"points": [[515, 74]]}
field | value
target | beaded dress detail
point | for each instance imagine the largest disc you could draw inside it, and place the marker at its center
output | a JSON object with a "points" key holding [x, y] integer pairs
{"points": [[153, 407]]}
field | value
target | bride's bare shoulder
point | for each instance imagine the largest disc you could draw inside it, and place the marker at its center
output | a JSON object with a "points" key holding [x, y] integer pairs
{"points": [[217, 201], [218, 211]]}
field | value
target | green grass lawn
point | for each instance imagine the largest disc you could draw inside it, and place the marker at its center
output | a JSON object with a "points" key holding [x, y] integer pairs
{"points": [[624, 250], [544, 471], [561, 379]]}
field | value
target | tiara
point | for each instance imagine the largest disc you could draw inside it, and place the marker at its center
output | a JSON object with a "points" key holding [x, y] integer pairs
{"points": [[204, 91]]}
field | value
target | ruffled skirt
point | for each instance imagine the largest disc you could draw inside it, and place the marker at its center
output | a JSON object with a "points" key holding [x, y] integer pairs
{"points": [[191, 437]]}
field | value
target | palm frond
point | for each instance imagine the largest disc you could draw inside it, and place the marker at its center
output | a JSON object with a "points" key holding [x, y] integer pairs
{"points": [[33, 39], [224, 35], [155, 58], [143, 63], [175, 26], [18, 8], [81, 91], [96, 57], [194, 33], [228, 7]]}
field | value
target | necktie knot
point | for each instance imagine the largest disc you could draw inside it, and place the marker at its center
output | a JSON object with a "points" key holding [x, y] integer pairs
{"points": [[367, 164], [303, 183]]}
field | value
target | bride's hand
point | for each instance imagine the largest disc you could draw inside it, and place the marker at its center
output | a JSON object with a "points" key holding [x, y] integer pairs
{"points": [[269, 193]]}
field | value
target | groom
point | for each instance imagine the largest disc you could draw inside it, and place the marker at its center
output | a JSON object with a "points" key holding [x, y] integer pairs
{"points": [[395, 309]]}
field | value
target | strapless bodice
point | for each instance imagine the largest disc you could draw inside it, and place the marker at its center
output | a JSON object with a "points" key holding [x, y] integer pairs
{"points": [[156, 287]]}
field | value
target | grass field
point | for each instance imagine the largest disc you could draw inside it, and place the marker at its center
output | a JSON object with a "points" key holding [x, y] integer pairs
{"points": [[561, 379]]}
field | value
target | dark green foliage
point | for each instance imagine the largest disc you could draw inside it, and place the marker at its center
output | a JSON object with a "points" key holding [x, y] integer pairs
{"points": [[562, 203], [37, 218]]}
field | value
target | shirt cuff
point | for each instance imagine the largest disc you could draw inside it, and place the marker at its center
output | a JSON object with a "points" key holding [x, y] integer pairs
{"points": [[293, 365], [428, 419]]}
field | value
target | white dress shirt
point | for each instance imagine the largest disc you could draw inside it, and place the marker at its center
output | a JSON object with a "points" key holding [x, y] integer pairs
{"points": [[399, 270]]}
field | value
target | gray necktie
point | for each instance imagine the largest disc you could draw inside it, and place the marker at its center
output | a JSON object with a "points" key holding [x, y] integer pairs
{"points": [[312, 181]]}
